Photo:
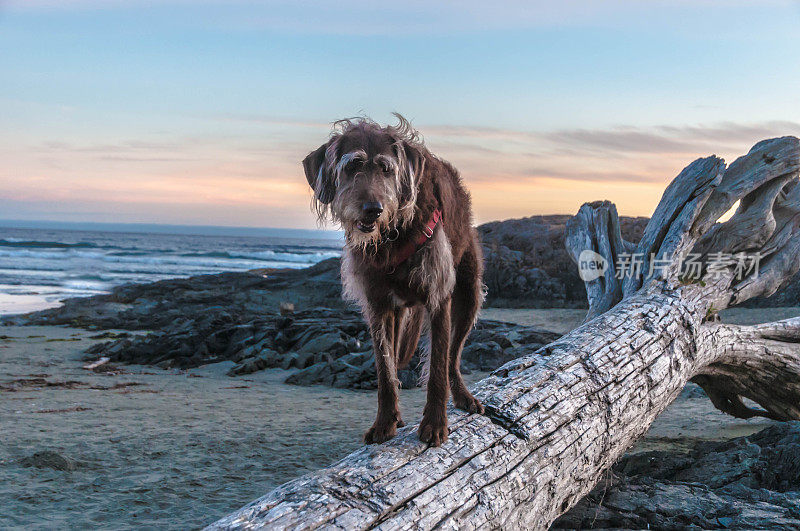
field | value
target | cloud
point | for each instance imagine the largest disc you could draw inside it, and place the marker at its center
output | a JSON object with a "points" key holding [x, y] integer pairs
{"points": [[509, 172], [620, 141], [732, 131], [272, 121], [625, 157], [626, 139], [586, 176]]}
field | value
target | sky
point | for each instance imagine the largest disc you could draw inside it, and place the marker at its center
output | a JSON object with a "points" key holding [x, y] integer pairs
{"points": [[198, 112]]}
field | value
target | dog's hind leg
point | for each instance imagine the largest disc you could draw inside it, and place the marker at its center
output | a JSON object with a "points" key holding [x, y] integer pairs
{"points": [[382, 328], [467, 299], [407, 332]]}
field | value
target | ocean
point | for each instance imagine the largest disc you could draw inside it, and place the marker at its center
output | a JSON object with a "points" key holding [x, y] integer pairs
{"points": [[39, 267]]}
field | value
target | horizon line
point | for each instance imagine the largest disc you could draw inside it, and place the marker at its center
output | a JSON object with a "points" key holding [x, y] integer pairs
{"points": [[112, 226]]}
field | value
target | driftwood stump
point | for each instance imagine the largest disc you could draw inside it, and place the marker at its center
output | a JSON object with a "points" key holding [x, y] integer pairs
{"points": [[559, 417]]}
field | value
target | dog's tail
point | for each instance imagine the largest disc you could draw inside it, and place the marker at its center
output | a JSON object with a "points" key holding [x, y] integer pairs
{"points": [[409, 336]]}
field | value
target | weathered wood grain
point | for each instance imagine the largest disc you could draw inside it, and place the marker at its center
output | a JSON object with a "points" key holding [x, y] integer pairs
{"points": [[559, 417]]}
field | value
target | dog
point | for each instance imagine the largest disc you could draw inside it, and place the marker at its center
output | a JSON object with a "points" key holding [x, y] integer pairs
{"points": [[411, 259]]}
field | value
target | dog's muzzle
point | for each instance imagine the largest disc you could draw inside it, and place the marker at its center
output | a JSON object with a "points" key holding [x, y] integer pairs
{"points": [[370, 212]]}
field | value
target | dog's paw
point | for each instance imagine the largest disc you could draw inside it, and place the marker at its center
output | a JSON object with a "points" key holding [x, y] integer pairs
{"points": [[382, 432], [466, 402], [433, 431]]}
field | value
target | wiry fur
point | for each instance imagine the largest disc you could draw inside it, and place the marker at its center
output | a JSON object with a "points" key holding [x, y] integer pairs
{"points": [[364, 163], [352, 286], [435, 271], [424, 365]]}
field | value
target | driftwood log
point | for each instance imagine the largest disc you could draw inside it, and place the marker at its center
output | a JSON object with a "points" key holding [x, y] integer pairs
{"points": [[558, 418]]}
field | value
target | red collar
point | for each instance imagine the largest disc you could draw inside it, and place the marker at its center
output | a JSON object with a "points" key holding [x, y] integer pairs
{"points": [[405, 252]]}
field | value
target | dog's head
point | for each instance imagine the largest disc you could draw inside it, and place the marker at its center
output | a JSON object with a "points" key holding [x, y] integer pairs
{"points": [[366, 176]]}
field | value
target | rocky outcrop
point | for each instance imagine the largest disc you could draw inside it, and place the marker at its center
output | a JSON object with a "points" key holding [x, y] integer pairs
{"points": [[327, 346], [247, 318], [744, 483], [237, 317], [224, 297], [240, 316], [527, 265], [491, 344], [50, 459]]}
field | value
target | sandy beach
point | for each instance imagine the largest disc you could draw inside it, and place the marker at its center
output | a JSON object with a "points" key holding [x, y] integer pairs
{"points": [[135, 447], [145, 447], [562, 320]]}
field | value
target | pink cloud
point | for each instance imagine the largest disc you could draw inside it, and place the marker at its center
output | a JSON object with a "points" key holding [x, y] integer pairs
{"points": [[510, 173]]}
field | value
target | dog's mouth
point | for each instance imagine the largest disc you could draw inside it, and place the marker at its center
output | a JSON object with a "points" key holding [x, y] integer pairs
{"points": [[366, 226]]}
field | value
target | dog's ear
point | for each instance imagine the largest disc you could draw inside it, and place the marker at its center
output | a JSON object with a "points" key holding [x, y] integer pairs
{"points": [[319, 171], [413, 165]]}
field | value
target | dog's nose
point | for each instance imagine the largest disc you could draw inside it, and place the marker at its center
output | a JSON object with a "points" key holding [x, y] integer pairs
{"points": [[372, 210]]}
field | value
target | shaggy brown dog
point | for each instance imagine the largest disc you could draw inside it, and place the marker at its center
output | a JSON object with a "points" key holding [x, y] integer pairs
{"points": [[411, 255]]}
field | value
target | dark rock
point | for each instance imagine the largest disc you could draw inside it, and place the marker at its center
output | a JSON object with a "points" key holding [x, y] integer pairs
{"points": [[282, 341], [50, 459], [289, 361], [322, 343], [309, 376], [692, 391], [526, 266], [353, 371], [248, 366], [336, 337], [166, 303], [234, 316], [353, 344], [526, 263], [493, 344], [745, 483], [476, 356], [230, 340], [304, 359], [408, 378]]}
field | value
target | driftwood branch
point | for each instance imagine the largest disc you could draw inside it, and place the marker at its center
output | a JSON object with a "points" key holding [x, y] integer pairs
{"points": [[559, 417], [755, 362]]}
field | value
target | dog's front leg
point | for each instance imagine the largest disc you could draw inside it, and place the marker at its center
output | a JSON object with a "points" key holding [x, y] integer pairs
{"points": [[433, 428], [388, 419]]}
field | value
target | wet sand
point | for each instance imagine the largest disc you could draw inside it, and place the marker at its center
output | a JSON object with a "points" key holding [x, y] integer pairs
{"points": [[24, 302], [563, 320], [146, 448], [155, 448]]}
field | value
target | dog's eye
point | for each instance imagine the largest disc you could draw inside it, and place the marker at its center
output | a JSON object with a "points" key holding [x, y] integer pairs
{"points": [[385, 167], [353, 166]]}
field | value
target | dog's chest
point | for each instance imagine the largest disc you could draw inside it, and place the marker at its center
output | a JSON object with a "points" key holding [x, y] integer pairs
{"points": [[426, 278]]}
